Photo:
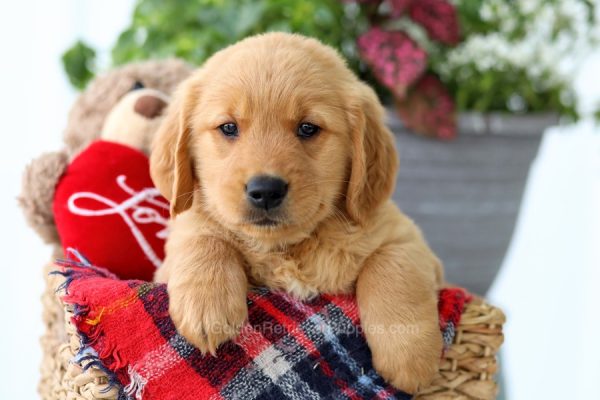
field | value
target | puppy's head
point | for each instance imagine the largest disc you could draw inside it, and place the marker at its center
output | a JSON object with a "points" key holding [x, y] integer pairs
{"points": [[273, 135]]}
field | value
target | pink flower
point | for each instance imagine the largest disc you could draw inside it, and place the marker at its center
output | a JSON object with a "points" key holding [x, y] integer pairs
{"points": [[397, 62], [398, 7], [429, 109], [438, 17]]}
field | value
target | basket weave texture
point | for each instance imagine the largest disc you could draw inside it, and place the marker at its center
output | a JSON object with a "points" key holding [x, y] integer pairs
{"points": [[466, 372]]}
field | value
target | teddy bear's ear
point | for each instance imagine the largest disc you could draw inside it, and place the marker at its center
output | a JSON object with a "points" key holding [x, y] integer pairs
{"points": [[37, 193], [170, 162]]}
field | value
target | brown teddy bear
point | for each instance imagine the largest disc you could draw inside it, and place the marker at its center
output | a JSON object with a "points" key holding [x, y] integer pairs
{"points": [[107, 188], [86, 121]]}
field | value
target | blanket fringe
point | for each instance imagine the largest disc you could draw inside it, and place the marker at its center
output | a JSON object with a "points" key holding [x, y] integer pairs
{"points": [[137, 384], [73, 267]]}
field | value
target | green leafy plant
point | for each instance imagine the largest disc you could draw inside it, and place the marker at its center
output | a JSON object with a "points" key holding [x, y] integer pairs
{"points": [[431, 58], [193, 30], [78, 63]]}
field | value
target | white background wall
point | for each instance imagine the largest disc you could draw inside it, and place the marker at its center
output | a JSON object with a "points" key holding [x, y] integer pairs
{"points": [[558, 351], [34, 100]]}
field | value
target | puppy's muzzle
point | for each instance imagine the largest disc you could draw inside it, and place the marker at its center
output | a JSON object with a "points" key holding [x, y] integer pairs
{"points": [[266, 192]]}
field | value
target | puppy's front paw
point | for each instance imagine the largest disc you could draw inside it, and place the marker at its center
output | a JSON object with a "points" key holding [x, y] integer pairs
{"points": [[206, 317], [408, 360]]}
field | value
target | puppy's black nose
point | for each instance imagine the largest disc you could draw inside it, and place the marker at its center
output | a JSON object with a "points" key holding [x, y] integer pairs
{"points": [[266, 192]]}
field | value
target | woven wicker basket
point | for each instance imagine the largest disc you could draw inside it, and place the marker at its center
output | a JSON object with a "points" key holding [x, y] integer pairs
{"points": [[466, 373]]}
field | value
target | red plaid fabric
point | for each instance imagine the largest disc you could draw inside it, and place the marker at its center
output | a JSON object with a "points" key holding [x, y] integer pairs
{"points": [[287, 350]]}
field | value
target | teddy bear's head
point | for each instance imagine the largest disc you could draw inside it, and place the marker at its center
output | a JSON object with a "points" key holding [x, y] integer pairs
{"points": [[91, 109], [87, 121], [135, 118]]}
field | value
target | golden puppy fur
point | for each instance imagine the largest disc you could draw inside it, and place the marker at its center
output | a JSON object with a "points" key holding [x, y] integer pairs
{"points": [[337, 230]]}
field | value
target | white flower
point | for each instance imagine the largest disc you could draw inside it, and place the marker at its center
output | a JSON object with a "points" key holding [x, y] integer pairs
{"points": [[486, 13], [528, 6], [547, 57]]}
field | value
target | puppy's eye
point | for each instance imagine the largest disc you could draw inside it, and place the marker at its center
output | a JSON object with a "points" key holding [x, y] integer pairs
{"points": [[229, 129], [137, 85], [307, 130]]}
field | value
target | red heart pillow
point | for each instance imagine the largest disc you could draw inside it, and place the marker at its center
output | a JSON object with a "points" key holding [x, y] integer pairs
{"points": [[107, 207]]}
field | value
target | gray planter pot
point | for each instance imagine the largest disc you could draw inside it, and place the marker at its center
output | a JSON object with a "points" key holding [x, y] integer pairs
{"points": [[465, 194], [473, 123]]}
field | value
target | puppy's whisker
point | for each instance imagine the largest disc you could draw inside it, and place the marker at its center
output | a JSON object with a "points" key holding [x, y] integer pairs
{"points": [[188, 193], [341, 218]]}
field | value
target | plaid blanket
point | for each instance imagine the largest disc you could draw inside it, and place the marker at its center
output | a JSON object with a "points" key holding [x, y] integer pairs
{"points": [[287, 350]]}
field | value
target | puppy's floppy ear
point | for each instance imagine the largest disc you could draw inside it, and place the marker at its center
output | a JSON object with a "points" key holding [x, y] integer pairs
{"points": [[374, 158], [170, 162]]}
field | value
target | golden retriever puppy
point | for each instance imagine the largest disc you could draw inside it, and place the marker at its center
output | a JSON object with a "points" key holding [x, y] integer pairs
{"points": [[279, 169]]}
